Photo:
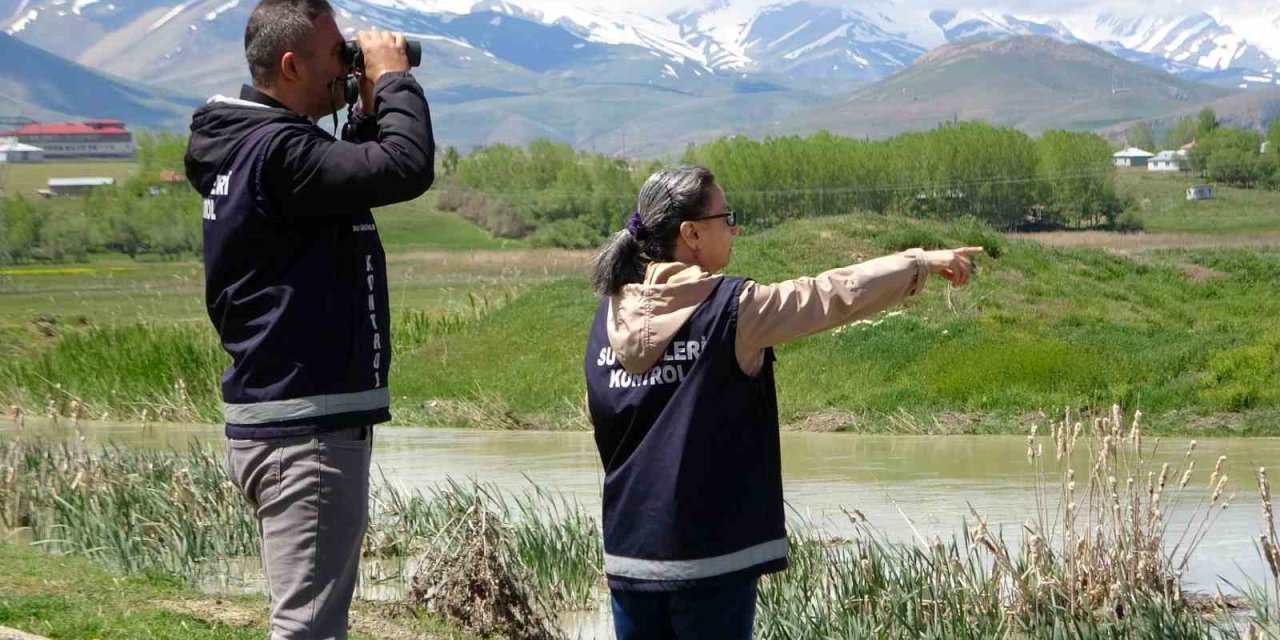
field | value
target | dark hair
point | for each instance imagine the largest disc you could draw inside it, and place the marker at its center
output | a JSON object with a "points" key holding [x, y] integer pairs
{"points": [[277, 26], [668, 198]]}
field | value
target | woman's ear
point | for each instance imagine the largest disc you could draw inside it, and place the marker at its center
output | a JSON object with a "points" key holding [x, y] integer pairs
{"points": [[689, 233]]}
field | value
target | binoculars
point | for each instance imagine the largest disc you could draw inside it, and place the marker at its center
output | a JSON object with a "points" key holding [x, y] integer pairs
{"points": [[352, 56], [351, 53]]}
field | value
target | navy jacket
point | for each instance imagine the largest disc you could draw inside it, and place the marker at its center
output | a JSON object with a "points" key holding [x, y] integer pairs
{"points": [[295, 275], [693, 473]]}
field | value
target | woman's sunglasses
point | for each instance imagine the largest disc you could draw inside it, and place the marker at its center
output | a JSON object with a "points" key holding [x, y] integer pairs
{"points": [[730, 218]]}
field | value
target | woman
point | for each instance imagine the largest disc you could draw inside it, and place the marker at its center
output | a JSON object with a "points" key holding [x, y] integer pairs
{"points": [[679, 371]]}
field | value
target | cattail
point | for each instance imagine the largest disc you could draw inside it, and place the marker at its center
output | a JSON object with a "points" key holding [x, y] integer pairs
{"points": [[1264, 490], [1186, 475], [1217, 469], [1217, 491], [1135, 431]]}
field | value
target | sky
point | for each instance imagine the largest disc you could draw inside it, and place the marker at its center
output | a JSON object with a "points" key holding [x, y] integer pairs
{"points": [[1023, 7]]}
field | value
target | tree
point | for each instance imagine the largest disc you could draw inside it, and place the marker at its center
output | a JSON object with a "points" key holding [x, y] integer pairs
{"points": [[451, 159], [1234, 167], [1139, 135], [1206, 122], [21, 227], [1181, 133]]}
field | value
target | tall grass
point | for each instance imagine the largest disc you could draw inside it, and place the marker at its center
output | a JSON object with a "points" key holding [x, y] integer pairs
{"points": [[1098, 558], [176, 512], [165, 372]]}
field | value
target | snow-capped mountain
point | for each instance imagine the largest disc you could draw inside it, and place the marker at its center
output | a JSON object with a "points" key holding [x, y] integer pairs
{"points": [[1198, 40], [587, 71], [839, 44], [959, 26]]}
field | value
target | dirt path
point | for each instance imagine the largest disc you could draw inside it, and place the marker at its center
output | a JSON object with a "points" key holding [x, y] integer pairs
{"points": [[13, 634], [376, 620], [1138, 242]]}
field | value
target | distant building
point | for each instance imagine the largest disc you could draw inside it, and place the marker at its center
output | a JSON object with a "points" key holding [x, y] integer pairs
{"points": [[1168, 161], [75, 186], [14, 152], [1200, 192], [1132, 157], [89, 139]]}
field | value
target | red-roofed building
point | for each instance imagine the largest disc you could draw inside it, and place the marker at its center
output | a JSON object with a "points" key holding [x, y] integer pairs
{"points": [[88, 139]]}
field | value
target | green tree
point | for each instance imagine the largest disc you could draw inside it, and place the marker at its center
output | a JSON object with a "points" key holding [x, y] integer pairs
{"points": [[1206, 122], [1078, 176], [451, 159], [20, 223], [1234, 167], [1180, 133], [1139, 135]]}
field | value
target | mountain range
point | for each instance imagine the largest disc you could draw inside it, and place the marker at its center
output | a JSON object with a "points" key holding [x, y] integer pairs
{"points": [[498, 71]]}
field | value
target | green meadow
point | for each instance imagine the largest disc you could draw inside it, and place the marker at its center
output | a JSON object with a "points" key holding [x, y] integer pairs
{"points": [[489, 332]]}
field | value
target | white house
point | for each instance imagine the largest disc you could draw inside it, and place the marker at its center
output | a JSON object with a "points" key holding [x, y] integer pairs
{"points": [[1132, 157], [12, 152], [1167, 161]]}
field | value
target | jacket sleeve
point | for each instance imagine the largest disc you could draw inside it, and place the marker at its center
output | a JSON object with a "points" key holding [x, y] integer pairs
{"points": [[392, 159], [775, 313]]}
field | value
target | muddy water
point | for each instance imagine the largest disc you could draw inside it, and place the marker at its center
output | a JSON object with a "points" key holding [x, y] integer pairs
{"points": [[909, 487]]}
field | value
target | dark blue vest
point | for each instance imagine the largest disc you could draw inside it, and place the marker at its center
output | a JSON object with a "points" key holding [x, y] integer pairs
{"points": [[299, 302], [693, 481]]}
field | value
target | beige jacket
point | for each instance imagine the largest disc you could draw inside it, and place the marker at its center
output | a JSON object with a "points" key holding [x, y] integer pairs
{"points": [[645, 317]]}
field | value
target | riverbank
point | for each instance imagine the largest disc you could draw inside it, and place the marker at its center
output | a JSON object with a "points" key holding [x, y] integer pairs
{"points": [[980, 531], [59, 596]]}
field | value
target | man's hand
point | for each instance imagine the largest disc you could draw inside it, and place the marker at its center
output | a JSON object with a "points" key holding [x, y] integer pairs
{"points": [[954, 264], [383, 51]]}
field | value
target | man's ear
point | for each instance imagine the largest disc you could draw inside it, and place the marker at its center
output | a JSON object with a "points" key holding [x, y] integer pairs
{"points": [[289, 66]]}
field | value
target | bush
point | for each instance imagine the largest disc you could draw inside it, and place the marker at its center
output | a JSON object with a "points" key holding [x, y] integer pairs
{"points": [[450, 196], [566, 234], [1128, 221], [67, 237], [500, 218]]}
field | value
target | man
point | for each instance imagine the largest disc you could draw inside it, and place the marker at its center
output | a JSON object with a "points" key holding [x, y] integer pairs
{"points": [[296, 286]]}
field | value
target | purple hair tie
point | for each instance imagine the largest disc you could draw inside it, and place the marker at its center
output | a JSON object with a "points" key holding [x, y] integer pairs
{"points": [[635, 225]]}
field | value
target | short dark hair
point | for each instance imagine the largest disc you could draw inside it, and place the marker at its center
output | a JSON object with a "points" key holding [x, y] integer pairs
{"points": [[277, 26]]}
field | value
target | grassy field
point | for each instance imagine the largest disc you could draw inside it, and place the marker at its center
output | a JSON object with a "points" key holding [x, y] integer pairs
{"points": [[1162, 203], [26, 179], [1189, 335], [72, 597], [1181, 322], [1182, 333], [418, 226]]}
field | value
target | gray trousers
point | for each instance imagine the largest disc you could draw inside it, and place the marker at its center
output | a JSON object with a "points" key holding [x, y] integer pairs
{"points": [[311, 497]]}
